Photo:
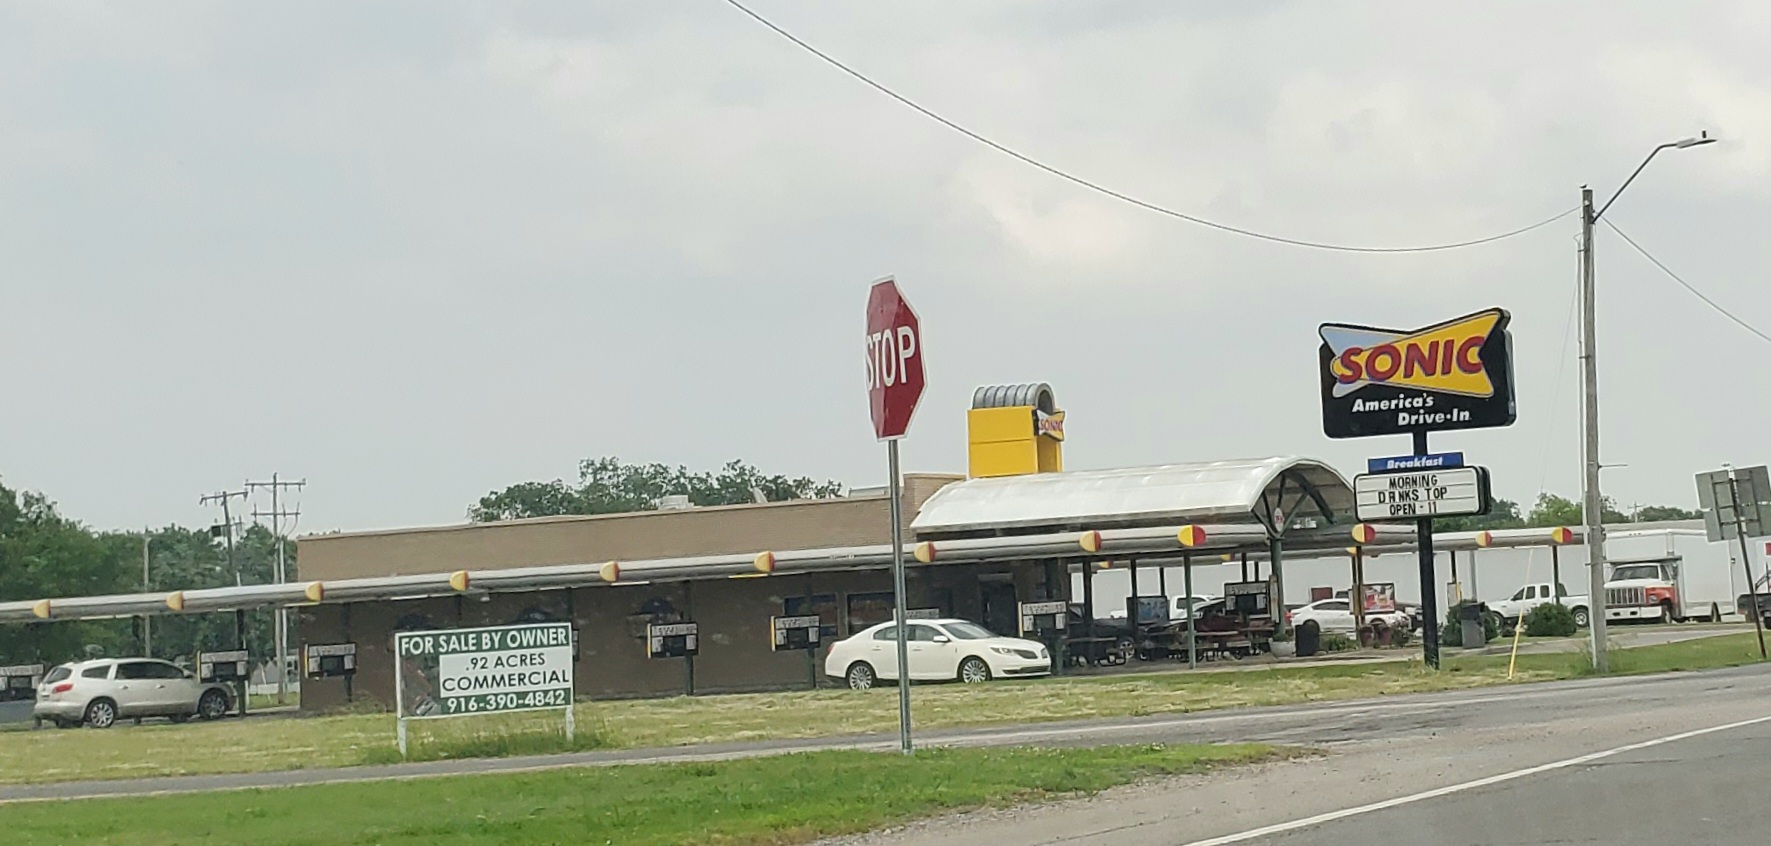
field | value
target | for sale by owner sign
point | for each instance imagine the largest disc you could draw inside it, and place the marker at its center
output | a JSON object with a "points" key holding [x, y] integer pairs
{"points": [[478, 671]]}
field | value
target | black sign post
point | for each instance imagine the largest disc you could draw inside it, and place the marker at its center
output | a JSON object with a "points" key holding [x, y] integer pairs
{"points": [[1452, 375]]}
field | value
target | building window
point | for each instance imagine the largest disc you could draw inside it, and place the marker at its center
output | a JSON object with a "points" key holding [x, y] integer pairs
{"points": [[821, 604], [867, 609]]}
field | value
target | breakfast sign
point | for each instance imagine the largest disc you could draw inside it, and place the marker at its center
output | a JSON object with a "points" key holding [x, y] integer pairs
{"points": [[1452, 375]]}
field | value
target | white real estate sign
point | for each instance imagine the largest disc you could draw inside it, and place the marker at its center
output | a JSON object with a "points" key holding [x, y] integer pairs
{"points": [[1430, 493], [455, 672]]}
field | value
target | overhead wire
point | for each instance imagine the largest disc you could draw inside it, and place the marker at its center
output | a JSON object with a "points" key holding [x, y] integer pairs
{"points": [[1118, 195], [1682, 283]]}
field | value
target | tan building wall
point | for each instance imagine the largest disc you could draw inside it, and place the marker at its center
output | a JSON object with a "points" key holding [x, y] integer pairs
{"points": [[797, 524]]}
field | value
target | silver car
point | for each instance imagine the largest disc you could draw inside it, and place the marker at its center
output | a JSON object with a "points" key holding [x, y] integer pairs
{"points": [[98, 693]]}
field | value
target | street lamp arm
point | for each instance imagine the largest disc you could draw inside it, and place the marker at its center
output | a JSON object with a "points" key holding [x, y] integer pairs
{"points": [[1626, 183]]}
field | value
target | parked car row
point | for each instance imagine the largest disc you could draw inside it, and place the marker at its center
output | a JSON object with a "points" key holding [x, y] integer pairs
{"points": [[100, 692]]}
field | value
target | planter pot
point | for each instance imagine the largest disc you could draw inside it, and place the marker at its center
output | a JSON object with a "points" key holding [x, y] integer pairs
{"points": [[1284, 648]]}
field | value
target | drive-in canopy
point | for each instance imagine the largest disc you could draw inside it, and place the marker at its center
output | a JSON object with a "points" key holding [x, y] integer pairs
{"points": [[1277, 492]]}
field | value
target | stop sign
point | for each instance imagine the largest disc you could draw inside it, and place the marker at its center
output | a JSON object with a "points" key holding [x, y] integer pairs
{"points": [[894, 360]]}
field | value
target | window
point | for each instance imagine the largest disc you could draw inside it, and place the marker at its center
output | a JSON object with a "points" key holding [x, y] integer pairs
{"points": [[887, 633], [821, 604], [1561, 590], [133, 670], [160, 670], [1334, 605], [867, 609], [102, 671], [968, 631], [1520, 595], [58, 674], [1531, 592], [926, 634]]}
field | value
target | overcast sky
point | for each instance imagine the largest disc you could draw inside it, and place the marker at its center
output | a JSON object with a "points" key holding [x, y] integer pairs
{"points": [[416, 251]]}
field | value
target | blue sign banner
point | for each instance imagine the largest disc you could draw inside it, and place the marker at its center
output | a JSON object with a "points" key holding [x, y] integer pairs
{"points": [[1405, 463]]}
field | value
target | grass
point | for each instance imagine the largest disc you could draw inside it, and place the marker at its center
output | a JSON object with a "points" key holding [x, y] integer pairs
{"points": [[257, 745], [779, 800]]}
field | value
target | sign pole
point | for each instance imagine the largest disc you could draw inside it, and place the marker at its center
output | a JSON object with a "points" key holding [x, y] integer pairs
{"points": [[1429, 601], [1192, 612], [898, 600], [1746, 560]]}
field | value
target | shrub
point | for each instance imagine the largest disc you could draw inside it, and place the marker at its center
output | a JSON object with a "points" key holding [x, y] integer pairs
{"points": [[1550, 620], [1399, 636], [1337, 643]]}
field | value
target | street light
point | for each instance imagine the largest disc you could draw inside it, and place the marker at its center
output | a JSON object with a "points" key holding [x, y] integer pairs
{"points": [[1592, 508]]}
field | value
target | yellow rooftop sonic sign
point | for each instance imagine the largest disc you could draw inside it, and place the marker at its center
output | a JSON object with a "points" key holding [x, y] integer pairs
{"points": [[1451, 375]]}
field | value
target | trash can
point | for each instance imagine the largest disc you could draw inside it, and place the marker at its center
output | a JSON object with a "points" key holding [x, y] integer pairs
{"points": [[1309, 638], [1469, 615]]}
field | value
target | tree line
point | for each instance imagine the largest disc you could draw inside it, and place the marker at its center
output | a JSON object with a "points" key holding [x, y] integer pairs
{"points": [[45, 554], [609, 486], [1551, 510]]}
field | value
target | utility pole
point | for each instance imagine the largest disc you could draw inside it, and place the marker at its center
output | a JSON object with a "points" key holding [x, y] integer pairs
{"points": [[276, 514], [227, 525], [1593, 503]]}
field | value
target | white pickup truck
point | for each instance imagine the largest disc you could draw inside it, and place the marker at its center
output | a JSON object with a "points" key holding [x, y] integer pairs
{"points": [[1512, 610]]}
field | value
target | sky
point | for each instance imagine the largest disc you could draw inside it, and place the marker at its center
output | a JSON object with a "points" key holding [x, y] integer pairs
{"points": [[413, 252]]}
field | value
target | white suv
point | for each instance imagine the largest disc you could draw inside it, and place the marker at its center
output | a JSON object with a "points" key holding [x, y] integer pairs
{"points": [[99, 693]]}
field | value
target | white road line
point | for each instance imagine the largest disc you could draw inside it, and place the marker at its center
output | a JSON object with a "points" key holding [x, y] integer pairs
{"points": [[1331, 816]]}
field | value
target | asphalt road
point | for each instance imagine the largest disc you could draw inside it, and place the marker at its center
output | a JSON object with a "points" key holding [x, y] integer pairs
{"points": [[1677, 758]]}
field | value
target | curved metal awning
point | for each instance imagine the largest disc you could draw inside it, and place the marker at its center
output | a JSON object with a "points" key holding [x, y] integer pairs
{"points": [[1278, 492]]}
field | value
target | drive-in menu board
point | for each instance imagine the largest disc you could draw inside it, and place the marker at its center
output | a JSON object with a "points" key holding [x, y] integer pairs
{"points": [[1410, 496]]}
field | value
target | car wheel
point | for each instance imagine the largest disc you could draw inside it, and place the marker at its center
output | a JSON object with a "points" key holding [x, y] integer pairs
{"points": [[181, 718], [973, 670], [101, 713], [860, 676], [1666, 614], [66, 724], [212, 705], [1715, 613], [1581, 619]]}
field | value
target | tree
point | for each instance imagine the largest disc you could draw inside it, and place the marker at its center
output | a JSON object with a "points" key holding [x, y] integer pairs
{"points": [[607, 486], [1503, 515], [1657, 513], [1553, 510]]}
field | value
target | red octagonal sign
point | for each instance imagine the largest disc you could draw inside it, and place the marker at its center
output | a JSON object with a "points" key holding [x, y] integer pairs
{"points": [[894, 360]]}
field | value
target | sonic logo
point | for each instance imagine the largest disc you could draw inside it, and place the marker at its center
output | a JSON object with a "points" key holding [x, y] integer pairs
{"points": [[1445, 358]]}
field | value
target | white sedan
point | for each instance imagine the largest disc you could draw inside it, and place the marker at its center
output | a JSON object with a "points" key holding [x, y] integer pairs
{"points": [[1336, 615], [939, 650]]}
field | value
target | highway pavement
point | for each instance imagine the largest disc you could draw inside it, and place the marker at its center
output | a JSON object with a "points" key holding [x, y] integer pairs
{"points": [[1651, 760]]}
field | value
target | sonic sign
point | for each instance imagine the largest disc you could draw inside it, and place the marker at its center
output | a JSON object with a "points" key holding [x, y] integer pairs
{"points": [[1452, 375]]}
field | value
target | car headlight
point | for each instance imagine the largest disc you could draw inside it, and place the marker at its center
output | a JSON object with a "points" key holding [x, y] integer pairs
{"points": [[1002, 650]]}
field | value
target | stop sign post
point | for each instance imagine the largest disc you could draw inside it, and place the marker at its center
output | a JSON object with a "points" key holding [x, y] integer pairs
{"points": [[894, 386]]}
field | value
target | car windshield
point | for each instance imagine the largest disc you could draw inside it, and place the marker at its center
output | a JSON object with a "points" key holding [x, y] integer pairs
{"points": [[968, 631], [1636, 571]]}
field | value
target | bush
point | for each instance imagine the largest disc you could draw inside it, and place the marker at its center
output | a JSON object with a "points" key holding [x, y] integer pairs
{"points": [[1550, 620], [1337, 643], [1399, 636]]}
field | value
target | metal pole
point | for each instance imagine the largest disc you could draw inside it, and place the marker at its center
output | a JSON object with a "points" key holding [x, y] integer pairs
{"points": [[898, 599], [240, 643], [1746, 559], [1592, 509], [1277, 573], [1192, 612], [281, 618], [399, 697], [1556, 579], [1358, 598], [1429, 588], [147, 620], [812, 652]]}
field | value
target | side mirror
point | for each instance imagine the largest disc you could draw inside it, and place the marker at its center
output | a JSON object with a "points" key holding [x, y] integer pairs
{"points": [[943, 639]]}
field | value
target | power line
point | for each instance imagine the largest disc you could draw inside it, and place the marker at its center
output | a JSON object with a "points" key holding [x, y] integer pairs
{"points": [[1102, 189], [1686, 285]]}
